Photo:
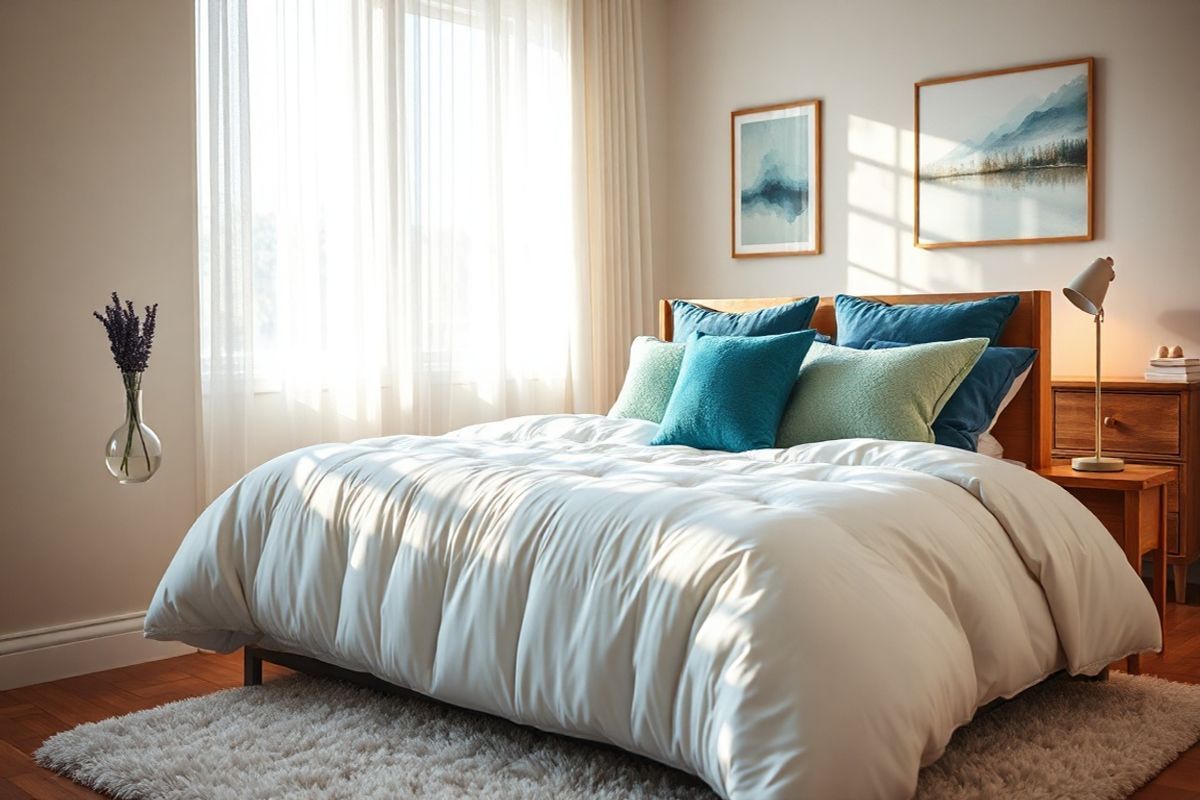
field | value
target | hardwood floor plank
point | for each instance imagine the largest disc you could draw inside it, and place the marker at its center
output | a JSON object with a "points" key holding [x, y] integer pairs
{"points": [[187, 686], [11, 730], [11, 704], [64, 704], [44, 785], [136, 682], [10, 791], [217, 669], [87, 685], [99, 693], [12, 761], [39, 723], [1184, 773], [1156, 791], [164, 669], [272, 671]]}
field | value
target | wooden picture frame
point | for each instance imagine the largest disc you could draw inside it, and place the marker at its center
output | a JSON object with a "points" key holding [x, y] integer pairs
{"points": [[1030, 146], [779, 196]]}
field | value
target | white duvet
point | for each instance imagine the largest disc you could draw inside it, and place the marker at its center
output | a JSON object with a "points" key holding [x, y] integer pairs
{"points": [[810, 622]]}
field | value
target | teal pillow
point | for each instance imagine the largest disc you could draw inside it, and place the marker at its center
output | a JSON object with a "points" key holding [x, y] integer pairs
{"points": [[732, 390], [859, 320], [787, 318], [894, 394], [653, 368]]}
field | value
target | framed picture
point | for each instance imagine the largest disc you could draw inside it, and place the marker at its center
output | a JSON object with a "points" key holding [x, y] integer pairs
{"points": [[1005, 157], [776, 187]]}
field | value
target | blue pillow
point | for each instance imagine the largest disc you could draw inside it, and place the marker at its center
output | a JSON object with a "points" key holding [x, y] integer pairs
{"points": [[732, 390], [860, 320], [787, 318], [969, 412]]}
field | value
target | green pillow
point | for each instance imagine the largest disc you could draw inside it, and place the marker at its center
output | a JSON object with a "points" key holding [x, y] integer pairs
{"points": [[843, 393], [653, 369]]}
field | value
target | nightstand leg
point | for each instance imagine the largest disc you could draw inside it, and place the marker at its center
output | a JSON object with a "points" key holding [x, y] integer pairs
{"points": [[1160, 566], [1180, 571], [1133, 665]]}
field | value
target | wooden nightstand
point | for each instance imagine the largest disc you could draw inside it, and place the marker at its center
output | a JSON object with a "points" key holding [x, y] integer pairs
{"points": [[1132, 504], [1145, 422]]}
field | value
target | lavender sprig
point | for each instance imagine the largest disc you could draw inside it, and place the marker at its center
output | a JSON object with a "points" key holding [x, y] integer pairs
{"points": [[129, 337]]}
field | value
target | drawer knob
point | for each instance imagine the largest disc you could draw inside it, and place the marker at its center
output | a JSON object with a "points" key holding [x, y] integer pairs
{"points": [[1110, 422]]}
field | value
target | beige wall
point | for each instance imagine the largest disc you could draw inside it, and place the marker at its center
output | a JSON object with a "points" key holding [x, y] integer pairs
{"points": [[861, 58], [96, 194]]}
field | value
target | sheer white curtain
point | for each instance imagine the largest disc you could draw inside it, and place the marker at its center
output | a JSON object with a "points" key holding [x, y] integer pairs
{"points": [[413, 216], [616, 185]]}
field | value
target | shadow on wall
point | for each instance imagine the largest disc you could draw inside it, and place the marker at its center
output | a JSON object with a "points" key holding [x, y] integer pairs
{"points": [[1184, 322]]}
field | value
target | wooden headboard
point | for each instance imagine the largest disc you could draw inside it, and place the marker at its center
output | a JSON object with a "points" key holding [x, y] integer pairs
{"points": [[1023, 428]]}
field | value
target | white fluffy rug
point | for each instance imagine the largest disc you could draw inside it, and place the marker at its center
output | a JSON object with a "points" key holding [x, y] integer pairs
{"points": [[307, 738]]}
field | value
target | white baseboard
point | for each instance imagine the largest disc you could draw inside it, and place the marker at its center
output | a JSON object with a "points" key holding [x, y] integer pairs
{"points": [[63, 651]]}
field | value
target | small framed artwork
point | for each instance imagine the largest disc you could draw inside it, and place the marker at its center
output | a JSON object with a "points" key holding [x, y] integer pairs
{"points": [[776, 186], [1005, 157]]}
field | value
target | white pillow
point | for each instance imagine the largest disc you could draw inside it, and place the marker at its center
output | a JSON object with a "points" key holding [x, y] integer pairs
{"points": [[989, 446], [1017, 383]]}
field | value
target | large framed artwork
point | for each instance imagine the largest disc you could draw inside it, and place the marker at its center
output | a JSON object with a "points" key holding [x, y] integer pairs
{"points": [[1005, 157], [776, 186]]}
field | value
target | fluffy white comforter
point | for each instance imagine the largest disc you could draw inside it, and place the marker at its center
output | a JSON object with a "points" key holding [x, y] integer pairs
{"points": [[809, 622]]}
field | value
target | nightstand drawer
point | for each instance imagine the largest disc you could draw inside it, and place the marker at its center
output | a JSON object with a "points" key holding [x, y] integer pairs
{"points": [[1141, 423]]}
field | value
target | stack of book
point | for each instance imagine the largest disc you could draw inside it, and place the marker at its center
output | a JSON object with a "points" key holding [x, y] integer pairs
{"points": [[1174, 370]]}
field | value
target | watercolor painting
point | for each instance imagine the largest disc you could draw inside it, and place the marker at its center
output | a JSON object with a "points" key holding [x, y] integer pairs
{"points": [[1005, 157], [777, 180]]}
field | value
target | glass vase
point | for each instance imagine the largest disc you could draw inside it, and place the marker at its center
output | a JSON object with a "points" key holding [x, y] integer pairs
{"points": [[134, 452]]}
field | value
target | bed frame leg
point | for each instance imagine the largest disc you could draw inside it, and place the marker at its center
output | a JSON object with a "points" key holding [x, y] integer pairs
{"points": [[251, 667]]}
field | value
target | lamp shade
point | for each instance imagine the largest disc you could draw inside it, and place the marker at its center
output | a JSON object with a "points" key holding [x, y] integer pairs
{"points": [[1089, 287]]}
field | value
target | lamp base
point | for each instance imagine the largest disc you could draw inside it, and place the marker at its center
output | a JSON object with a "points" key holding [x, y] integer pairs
{"points": [[1097, 464]]}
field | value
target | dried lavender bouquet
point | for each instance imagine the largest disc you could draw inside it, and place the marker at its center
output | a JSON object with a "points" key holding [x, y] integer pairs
{"points": [[130, 338]]}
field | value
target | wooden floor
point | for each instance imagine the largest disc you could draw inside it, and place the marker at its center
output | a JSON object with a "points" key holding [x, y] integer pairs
{"points": [[30, 714]]}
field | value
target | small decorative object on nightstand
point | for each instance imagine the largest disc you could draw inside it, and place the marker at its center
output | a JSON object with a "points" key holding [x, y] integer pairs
{"points": [[1172, 366], [1087, 292], [1132, 504]]}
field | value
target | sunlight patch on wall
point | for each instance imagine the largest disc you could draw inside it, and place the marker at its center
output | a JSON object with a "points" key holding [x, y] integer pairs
{"points": [[907, 169], [873, 188], [872, 253], [941, 270], [881, 256], [871, 140], [863, 281]]}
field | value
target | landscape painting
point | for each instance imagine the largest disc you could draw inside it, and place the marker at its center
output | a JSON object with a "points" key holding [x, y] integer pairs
{"points": [[1005, 157], [777, 180]]}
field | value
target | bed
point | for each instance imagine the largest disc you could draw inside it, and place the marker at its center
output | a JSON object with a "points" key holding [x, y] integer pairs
{"points": [[805, 622]]}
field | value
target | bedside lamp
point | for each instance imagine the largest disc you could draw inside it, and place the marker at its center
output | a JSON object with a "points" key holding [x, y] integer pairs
{"points": [[1087, 292]]}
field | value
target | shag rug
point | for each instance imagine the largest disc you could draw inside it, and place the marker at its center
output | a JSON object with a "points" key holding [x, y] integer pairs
{"points": [[308, 738]]}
